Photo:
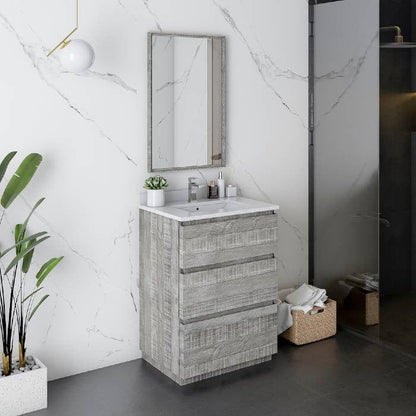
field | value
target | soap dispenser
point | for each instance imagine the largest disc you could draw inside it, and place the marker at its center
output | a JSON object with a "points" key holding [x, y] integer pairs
{"points": [[212, 190], [221, 185]]}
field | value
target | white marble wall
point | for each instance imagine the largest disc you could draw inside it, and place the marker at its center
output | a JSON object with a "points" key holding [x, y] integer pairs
{"points": [[346, 139], [91, 129]]}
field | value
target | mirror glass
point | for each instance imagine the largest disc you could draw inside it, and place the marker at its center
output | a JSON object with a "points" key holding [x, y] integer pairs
{"points": [[186, 101]]}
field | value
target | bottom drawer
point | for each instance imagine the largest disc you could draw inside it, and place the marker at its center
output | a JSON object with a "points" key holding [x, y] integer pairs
{"points": [[226, 341]]}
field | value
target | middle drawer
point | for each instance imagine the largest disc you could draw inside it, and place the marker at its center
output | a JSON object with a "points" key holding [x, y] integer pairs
{"points": [[223, 289]]}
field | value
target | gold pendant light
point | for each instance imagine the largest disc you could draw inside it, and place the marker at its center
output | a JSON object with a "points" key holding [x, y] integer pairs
{"points": [[76, 55]]}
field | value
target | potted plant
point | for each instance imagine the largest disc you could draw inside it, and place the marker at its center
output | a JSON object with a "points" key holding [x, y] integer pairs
{"points": [[23, 381], [155, 186]]}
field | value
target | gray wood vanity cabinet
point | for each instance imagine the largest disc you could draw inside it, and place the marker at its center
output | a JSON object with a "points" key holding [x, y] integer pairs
{"points": [[208, 291]]}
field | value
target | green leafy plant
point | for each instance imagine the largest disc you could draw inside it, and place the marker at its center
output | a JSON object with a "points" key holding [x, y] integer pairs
{"points": [[155, 183], [17, 308]]}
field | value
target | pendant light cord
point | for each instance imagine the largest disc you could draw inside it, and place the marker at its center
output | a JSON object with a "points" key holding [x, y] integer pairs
{"points": [[64, 42]]}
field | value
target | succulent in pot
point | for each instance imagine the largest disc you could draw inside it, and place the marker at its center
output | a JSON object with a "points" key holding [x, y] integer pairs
{"points": [[155, 186]]}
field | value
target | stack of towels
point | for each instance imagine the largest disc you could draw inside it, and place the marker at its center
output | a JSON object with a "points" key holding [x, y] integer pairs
{"points": [[304, 298], [368, 282], [365, 281]]}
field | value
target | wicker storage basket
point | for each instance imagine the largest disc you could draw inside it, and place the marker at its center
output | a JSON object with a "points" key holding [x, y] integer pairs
{"points": [[362, 307], [308, 327]]}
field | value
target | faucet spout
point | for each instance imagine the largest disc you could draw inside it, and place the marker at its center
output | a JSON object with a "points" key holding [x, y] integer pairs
{"points": [[192, 187]]}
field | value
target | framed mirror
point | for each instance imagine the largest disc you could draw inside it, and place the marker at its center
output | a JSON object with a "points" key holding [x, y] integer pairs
{"points": [[186, 101]]}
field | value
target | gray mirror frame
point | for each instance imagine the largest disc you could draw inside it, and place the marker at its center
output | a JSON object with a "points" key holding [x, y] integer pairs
{"points": [[149, 102]]}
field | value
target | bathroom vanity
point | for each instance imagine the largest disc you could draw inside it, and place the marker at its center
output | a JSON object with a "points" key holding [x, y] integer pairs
{"points": [[208, 286], [208, 270]]}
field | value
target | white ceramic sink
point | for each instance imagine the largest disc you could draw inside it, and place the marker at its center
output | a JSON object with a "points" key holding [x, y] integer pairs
{"points": [[211, 208]]}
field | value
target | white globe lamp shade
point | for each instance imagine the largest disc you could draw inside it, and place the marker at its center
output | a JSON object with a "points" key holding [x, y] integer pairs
{"points": [[77, 56]]}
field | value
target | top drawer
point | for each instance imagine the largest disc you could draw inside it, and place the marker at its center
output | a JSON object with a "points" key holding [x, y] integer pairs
{"points": [[224, 240]]}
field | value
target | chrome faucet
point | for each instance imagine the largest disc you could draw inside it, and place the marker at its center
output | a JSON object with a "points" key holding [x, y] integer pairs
{"points": [[192, 187]]}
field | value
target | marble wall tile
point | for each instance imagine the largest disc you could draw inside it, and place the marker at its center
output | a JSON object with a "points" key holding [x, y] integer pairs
{"points": [[92, 131]]}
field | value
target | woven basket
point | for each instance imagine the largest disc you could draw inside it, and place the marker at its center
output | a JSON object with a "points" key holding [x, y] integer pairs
{"points": [[311, 327], [372, 307], [362, 307]]}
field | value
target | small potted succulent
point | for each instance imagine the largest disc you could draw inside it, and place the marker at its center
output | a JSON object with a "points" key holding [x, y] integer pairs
{"points": [[23, 381], [155, 186]]}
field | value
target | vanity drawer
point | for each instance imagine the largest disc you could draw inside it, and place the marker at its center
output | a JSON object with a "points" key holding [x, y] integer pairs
{"points": [[226, 341], [223, 289], [226, 240]]}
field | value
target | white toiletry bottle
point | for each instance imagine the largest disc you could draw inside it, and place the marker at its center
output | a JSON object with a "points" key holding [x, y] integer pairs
{"points": [[221, 185]]}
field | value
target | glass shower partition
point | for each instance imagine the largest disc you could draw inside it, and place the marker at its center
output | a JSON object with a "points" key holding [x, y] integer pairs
{"points": [[345, 150], [398, 173]]}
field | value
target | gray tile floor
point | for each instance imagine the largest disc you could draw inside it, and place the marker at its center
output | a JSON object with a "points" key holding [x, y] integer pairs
{"points": [[342, 376]]}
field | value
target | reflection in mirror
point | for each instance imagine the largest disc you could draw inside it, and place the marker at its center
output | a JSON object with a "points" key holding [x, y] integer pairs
{"points": [[186, 101]]}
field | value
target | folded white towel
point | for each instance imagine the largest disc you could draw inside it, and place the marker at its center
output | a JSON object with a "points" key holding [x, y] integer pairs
{"points": [[284, 293], [284, 317], [301, 295], [366, 281], [306, 297]]}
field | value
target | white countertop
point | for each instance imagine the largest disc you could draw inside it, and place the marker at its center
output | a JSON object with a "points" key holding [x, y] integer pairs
{"points": [[210, 208]]}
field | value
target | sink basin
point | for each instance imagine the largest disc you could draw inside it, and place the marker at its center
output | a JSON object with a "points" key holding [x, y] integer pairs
{"points": [[211, 207], [205, 209]]}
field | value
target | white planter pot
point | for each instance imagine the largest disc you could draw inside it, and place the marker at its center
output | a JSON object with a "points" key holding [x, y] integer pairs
{"points": [[155, 197], [25, 392]]}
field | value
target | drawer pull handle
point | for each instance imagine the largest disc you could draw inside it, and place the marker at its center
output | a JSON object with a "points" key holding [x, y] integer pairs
{"points": [[229, 312]]}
